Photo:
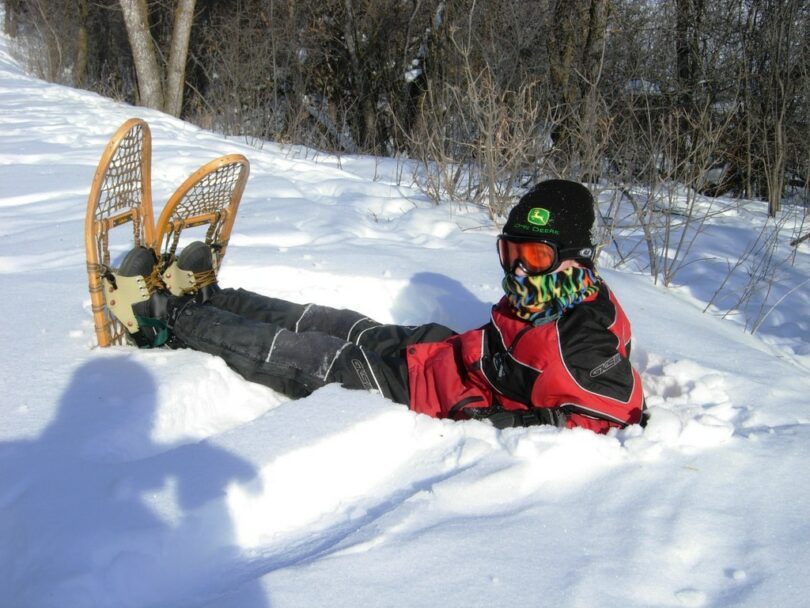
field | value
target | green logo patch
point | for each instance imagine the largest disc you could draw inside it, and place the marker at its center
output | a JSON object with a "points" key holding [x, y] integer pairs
{"points": [[538, 216]]}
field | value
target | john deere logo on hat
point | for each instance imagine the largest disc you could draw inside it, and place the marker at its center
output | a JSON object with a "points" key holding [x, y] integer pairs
{"points": [[538, 216]]}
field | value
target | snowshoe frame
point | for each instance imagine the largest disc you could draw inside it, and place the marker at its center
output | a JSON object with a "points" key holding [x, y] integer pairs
{"points": [[120, 193]]}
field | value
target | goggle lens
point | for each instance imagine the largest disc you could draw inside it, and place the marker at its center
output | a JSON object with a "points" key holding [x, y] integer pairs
{"points": [[536, 257]]}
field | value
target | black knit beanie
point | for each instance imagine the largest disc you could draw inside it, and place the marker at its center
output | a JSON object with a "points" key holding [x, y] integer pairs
{"points": [[556, 210]]}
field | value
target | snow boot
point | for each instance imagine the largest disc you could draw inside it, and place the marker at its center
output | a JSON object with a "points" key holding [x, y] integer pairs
{"points": [[193, 273], [137, 297]]}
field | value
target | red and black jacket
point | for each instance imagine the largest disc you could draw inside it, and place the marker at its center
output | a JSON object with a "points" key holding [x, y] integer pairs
{"points": [[573, 371]]}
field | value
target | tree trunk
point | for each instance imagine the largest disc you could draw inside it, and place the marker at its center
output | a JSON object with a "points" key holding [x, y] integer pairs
{"points": [[575, 44], [688, 25], [175, 81], [10, 22], [562, 40], [687, 32], [592, 59], [150, 86], [80, 69]]}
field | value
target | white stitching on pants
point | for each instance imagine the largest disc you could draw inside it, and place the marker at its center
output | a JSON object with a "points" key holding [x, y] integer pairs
{"points": [[272, 344], [360, 335], [303, 314], [351, 329], [337, 354]]}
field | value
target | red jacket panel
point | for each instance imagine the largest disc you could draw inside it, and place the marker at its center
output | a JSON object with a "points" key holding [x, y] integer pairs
{"points": [[577, 365]]}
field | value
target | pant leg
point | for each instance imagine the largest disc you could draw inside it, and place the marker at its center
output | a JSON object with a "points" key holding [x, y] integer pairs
{"points": [[341, 323], [385, 340], [257, 307], [292, 363], [382, 345], [385, 344], [349, 325]]}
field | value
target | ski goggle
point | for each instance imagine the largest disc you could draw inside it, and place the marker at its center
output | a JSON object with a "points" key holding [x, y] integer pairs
{"points": [[535, 256]]}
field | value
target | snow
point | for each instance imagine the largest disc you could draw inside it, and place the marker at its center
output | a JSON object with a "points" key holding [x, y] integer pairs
{"points": [[161, 478]]}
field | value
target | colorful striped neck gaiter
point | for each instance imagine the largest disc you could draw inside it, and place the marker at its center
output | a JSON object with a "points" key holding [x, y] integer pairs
{"points": [[545, 297]]}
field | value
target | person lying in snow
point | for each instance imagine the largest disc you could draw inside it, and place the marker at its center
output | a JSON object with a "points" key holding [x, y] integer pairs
{"points": [[555, 350]]}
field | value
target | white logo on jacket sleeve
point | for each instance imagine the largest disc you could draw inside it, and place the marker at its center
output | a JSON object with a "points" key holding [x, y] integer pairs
{"points": [[606, 365]]}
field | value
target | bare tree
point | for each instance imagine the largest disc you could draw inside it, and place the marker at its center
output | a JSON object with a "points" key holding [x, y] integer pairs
{"points": [[156, 91], [575, 47], [178, 55], [150, 84], [82, 42], [11, 18]]}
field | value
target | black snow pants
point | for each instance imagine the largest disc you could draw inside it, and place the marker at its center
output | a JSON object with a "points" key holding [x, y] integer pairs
{"points": [[297, 348]]}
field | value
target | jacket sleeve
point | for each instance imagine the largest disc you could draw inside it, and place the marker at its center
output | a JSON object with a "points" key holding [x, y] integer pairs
{"points": [[592, 379]]}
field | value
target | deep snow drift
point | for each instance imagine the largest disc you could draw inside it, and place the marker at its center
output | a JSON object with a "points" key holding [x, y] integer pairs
{"points": [[161, 478]]}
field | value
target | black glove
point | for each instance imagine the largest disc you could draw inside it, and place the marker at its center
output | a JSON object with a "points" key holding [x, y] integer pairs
{"points": [[506, 419]]}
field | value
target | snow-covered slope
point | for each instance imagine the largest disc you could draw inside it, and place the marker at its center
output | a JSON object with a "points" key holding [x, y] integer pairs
{"points": [[161, 478]]}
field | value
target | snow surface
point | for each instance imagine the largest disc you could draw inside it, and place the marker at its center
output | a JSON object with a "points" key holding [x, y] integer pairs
{"points": [[161, 478]]}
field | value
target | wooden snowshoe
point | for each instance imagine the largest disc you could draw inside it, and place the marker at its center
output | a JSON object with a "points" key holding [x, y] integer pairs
{"points": [[121, 194], [209, 197]]}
